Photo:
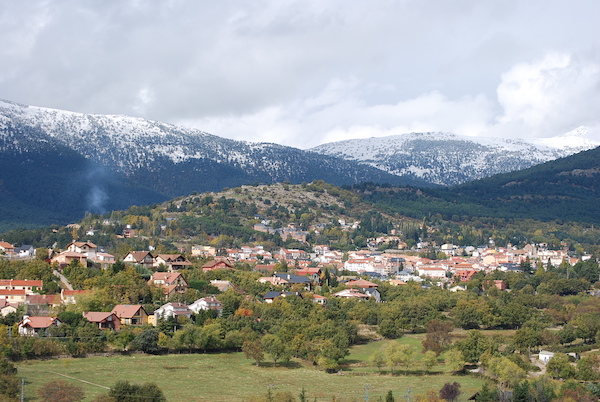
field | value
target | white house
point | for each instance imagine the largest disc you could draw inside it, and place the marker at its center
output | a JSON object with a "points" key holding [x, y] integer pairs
{"points": [[173, 309], [545, 356], [206, 303]]}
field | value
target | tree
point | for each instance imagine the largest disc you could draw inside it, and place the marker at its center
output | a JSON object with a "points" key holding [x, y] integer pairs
{"points": [[506, 371], [123, 391], [147, 341], [9, 383], [60, 391], [588, 368], [438, 335], [473, 346], [450, 392], [486, 394], [389, 397], [559, 366], [527, 338], [429, 360], [454, 360], [430, 396], [377, 359], [273, 345], [587, 325], [253, 350]]}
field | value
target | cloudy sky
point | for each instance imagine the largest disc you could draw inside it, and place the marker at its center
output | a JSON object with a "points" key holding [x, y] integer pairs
{"points": [[302, 73]]}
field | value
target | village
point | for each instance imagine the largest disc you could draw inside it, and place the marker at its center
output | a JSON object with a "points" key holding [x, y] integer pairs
{"points": [[304, 274]]}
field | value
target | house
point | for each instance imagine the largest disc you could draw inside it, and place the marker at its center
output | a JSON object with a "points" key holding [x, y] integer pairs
{"points": [[219, 263], [18, 296], [130, 314], [43, 300], [29, 286], [206, 303], [7, 308], [268, 268], [365, 287], [68, 296], [351, 294], [362, 284], [270, 296], [103, 320], [170, 282], [25, 251], [6, 247], [173, 309], [143, 258], [545, 356], [291, 280], [83, 247], [32, 326], [458, 288], [66, 257], [313, 273], [204, 251], [104, 259], [171, 261], [322, 300]]}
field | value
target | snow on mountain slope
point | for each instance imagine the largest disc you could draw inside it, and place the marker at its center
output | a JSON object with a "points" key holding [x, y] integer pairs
{"points": [[449, 159], [140, 148]]}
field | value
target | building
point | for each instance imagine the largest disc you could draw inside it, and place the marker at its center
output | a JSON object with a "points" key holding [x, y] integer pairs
{"points": [[32, 326], [170, 282], [105, 321], [207, 303], [130, 314]]}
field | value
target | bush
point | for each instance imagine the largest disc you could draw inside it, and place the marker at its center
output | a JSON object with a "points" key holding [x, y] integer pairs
{"points": [[60, 391]]}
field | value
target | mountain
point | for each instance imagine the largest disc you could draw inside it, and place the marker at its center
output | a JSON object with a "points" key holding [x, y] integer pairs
{"points": [[56, 165], [566, 189], [449, 159]]}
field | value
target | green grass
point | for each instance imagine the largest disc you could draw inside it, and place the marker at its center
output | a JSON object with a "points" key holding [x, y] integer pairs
{"points": [[232, 377]]}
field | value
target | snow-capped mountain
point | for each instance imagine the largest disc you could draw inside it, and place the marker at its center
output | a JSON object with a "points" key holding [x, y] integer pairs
{"points": [[110, 162], [449, 159]]}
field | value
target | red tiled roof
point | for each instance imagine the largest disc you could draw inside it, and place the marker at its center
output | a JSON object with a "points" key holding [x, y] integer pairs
{"points": [[126, 310], [361, 283], [38, 322], [97, 316]]}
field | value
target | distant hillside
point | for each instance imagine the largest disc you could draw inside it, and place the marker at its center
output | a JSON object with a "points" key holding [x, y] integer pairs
{"points": [[567, 189], [449, 159]]}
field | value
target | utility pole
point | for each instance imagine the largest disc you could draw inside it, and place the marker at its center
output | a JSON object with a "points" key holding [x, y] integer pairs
{"points": [[407, 396], [22, 389], [367, 393]]}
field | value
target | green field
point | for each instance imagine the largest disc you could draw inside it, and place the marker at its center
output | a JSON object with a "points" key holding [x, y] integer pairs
{"points": [[232, 377]]}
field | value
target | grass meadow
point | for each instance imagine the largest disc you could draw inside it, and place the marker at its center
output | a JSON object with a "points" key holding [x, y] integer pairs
{"points": [[232, 377]]}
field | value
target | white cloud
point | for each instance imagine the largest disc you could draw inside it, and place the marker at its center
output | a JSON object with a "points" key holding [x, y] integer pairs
{"points": [[550, 96]]}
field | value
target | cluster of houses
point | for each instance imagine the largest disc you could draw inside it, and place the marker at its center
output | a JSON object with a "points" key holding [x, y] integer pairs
{"points": [[306, 272]]}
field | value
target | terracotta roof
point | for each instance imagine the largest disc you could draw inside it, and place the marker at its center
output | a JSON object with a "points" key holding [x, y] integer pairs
{"points": [[12, 292], [66, 292], [361, 283], [6, 245], [38, 322], [126, 310], [21, 282], [43, 299], [216, 262], [97, 316]]}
